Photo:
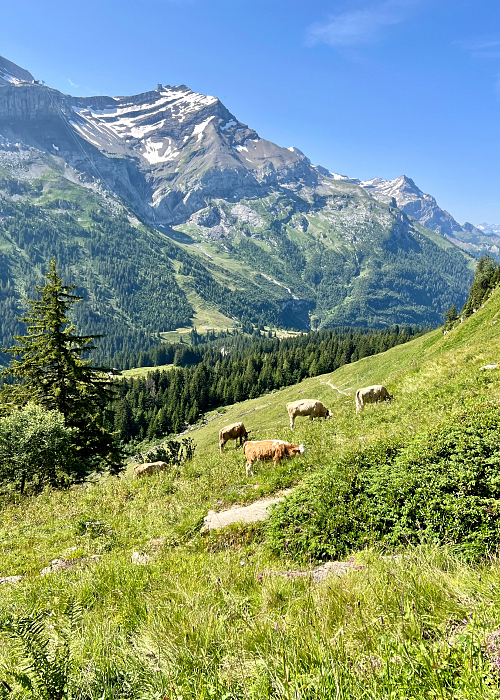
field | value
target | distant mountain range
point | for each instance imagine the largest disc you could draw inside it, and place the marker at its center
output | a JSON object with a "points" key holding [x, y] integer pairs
{"points": [[489, 228], [409, 198], [169, 211]]}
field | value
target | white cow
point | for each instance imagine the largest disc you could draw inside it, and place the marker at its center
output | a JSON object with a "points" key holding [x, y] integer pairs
{"points": [[306, 407], [371, 394]]}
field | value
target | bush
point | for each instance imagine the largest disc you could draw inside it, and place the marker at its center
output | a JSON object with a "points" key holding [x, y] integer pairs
{"points": [[36, 449], [329, 514], [174, 452], [443, 487]]}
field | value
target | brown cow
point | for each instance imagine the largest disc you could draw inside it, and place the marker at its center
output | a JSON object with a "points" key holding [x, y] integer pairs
{"points": [[306, 407], [371, 394], [269, 449], [233, 432], [149, 468]]}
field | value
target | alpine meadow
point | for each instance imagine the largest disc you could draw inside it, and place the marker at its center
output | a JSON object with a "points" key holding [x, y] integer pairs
{"points": [[171, 282]]}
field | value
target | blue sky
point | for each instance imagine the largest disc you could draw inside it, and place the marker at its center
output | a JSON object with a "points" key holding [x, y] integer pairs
{"points": [[366, 88]]}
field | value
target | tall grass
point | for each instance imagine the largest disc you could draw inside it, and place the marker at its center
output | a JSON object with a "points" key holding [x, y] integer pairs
{"points": [[190, 625]]}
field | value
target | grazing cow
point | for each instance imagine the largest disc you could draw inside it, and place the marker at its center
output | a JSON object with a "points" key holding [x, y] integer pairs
{"points": [[269, 449], [371, 394], [306, 407], [233, 432], [149, 468]]}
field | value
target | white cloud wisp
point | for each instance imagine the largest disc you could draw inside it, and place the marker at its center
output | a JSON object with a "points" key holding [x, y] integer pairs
{"points": [[360, 26]]}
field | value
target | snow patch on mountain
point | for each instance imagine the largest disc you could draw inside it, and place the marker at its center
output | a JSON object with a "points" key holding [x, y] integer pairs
{"points": [[200, 128], [129, 119], [159, 151], [295, 150]]}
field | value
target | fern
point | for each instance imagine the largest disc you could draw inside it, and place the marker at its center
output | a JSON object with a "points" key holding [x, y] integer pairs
{"points": [[44, 659]]}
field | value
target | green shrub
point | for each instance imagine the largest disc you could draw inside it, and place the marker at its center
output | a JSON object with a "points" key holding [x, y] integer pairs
{"points": [[329, 513], [443, 487], [174, 452], [36, 449]]}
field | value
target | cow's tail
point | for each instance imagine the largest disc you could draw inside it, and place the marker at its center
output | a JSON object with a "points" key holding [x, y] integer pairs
{"points": [[358, 401]]}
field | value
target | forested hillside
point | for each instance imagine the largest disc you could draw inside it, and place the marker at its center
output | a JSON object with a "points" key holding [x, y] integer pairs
{"points": [[125, 271], [232, 370]]}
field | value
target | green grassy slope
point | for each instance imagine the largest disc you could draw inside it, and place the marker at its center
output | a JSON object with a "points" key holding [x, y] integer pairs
{"points": [[205, 618], [432, 371]]}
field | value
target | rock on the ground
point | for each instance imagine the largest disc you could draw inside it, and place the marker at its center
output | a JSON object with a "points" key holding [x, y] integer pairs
{"points": [[57, 564], [139, 558], [335, 568], [241, 514], [10, 579]]}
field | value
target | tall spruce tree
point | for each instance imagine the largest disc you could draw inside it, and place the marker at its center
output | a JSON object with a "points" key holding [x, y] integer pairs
{"points": [[52, 371]]}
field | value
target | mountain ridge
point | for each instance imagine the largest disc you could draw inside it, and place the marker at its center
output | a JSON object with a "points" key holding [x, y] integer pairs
{"points": [[245, 227], [423, 207]]}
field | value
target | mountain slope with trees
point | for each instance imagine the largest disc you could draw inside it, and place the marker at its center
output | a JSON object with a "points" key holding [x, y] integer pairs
{"points": [[163, 204]]}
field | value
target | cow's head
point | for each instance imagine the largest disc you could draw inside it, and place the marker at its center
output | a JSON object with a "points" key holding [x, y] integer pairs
{"points": [[328, 414], [247, 433], [302, 449]]}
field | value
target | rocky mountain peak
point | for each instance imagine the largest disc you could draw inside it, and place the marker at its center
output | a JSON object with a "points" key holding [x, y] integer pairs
{"points": [[12, 74], [404, 193], [251, 229]]}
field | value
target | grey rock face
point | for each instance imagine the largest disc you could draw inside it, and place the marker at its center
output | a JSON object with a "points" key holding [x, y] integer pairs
{"points": [[167, 151], [208, 218]]}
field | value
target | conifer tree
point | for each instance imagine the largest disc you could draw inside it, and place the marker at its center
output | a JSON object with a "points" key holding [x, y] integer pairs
{"points": [[485, 280], [52, 372]]}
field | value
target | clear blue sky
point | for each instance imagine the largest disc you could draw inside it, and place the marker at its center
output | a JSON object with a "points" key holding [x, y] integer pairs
{"points": [[365, 88]]}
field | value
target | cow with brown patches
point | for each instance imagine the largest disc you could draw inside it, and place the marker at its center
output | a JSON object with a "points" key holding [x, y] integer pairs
{"points": [[269, 449]]}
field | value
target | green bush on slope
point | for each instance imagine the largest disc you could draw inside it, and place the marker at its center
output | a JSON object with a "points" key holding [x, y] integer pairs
{"points": [[443, 486]]}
